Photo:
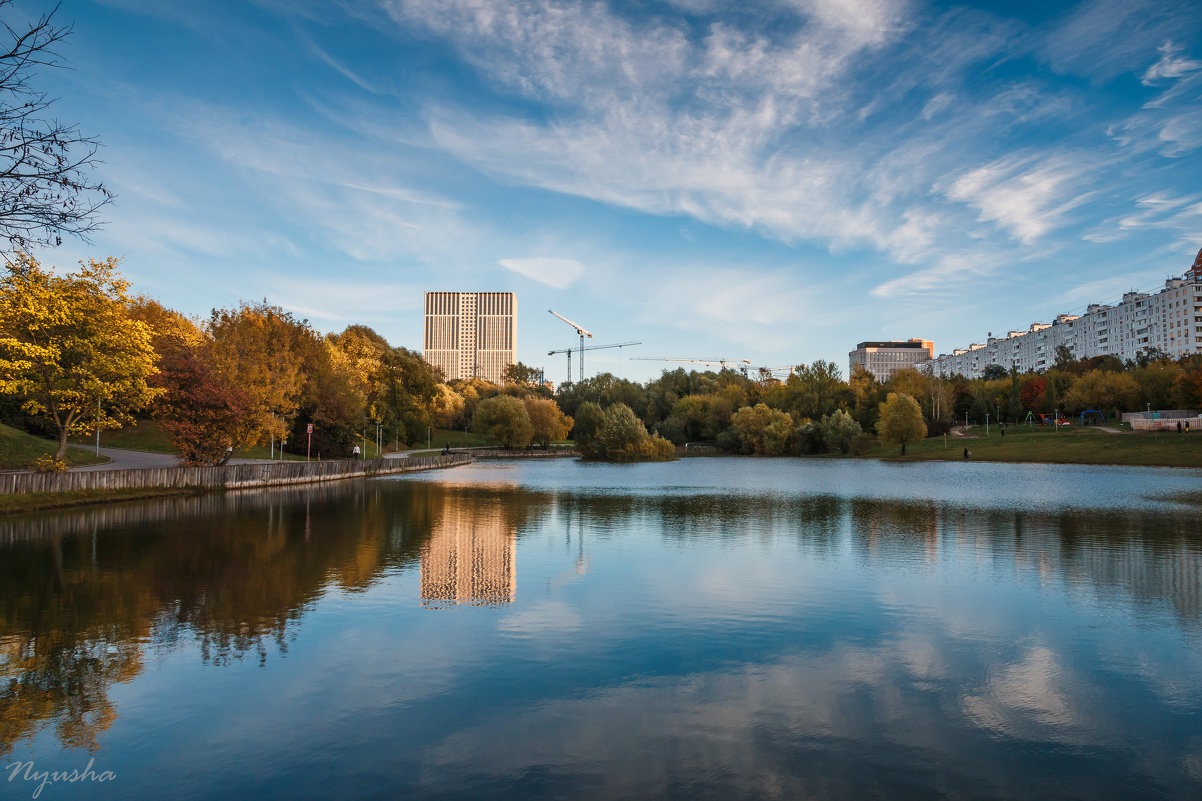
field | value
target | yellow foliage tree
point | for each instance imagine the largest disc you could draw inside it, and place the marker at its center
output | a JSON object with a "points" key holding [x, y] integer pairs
{"points": [[548, 420], [900, 421], [68, 346], [258, 348]]}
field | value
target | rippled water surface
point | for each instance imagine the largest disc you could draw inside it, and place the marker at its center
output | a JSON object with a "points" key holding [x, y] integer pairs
{"points": [[712, 628]]}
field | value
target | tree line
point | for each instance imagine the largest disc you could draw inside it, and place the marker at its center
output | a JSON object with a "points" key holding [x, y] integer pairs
{"points": [[79, 351]]}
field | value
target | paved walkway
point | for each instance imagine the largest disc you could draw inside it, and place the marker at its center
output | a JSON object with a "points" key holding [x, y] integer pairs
{"points": [[122, 459]]}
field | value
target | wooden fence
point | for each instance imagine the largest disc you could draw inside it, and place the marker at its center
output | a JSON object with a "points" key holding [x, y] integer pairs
{"points": [[224, 477]]}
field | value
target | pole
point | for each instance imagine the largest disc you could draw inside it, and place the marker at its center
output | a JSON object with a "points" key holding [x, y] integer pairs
{"points": [[427, 438], [986, 423], [309, 447], [97, 428]]}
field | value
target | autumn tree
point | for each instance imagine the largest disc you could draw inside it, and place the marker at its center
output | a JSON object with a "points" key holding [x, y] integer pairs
{"points": [[199, 411], [900, 421], [46, 184], [446, 408], [1102, 390], [548, 422], [69, 345], [257, 348], [503, 418]]}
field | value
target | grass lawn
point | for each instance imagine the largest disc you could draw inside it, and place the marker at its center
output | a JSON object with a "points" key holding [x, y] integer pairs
{"points": [[1075, 445], [18, 450], [145, 435]]}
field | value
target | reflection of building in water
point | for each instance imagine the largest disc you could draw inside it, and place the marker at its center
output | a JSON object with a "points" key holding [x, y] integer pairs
{"points": [[470, 559]]}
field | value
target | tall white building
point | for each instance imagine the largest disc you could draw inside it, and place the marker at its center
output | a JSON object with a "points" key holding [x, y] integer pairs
{"points": [[883, 359], [1169, 320], [470, 334]]}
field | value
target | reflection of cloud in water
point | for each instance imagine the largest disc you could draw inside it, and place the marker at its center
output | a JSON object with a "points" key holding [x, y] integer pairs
{"points": [[548, 618], [820, 725], [1029, 694]]}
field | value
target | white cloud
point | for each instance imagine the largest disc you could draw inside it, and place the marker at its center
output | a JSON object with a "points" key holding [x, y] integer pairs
{"points": [[557, 273], [1170, 66], [1026, 195]]}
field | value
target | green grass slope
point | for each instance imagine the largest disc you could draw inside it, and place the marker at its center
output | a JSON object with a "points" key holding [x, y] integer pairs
{"points": [[1075, 445], [18, 450]]}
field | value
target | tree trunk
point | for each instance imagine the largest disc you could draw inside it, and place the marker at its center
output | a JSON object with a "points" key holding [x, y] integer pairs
{"points": [[903, 449], [62, 442]]}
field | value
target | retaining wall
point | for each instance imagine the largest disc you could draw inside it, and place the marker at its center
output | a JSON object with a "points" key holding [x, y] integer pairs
{"points": [[224, 477]]}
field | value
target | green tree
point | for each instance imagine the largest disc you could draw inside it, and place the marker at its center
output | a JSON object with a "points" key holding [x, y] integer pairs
{"points": [[993, 372], [68, 343], [622, 437], [839, 429], [521, 374], [503, 418], [900, 421], [1014, 403], [586, 424], [762, 430]]}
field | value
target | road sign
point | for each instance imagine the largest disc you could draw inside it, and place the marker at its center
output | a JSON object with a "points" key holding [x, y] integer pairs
{"points": [[310, 428]]}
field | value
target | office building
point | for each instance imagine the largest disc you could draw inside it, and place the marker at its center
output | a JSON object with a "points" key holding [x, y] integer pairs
{"points": [[470, 334], [883, 359], [1169, 320]]}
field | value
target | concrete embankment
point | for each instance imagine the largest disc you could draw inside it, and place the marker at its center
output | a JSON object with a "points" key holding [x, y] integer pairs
{"points": [[224, 477]]}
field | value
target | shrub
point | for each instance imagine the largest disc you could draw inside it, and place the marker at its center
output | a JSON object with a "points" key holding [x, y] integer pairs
{"points": [[49, 464], [862, 444]]}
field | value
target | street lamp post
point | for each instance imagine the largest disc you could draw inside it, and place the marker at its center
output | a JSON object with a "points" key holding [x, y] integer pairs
{"points": [[986, 423]]}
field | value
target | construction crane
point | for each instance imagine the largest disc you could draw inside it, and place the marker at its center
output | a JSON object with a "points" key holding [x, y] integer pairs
{"points": [[588, 347], [583, 332], [741, 365], [775, 373]]}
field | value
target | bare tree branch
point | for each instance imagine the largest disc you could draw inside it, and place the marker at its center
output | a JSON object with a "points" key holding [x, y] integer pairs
{"points": [[46, 184]]}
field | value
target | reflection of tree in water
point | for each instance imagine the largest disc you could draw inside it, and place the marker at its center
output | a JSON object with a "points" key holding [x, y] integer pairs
{"points": [[1151, 557], [232, 572]]}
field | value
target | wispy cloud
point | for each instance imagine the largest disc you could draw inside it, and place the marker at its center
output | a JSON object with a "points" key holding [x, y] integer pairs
{"points": [[557, 273], [1025, 194]]}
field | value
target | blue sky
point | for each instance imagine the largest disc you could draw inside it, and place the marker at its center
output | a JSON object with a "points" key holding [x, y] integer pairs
{"points": [[773, 181]]}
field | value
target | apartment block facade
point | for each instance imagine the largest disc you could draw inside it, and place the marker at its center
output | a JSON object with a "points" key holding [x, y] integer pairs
{"points": [[470, 334], [1169, 319], [883, 359]]}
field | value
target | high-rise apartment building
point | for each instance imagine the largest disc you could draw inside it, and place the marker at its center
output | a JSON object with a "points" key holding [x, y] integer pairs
{"points": [[883, 359], [470, 334], [1169, 320]]}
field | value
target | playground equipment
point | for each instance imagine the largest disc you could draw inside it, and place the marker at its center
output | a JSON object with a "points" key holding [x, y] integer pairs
{"points": [[1101, 417]]}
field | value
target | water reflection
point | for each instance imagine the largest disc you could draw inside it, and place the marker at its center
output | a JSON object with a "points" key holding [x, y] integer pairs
{"points": [[770, 644], [470, 558]]}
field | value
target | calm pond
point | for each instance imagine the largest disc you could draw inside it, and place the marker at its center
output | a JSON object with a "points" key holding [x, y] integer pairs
{"points": [[711, 628]]}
